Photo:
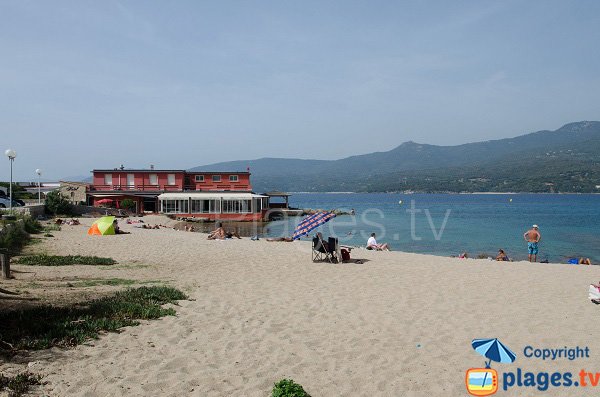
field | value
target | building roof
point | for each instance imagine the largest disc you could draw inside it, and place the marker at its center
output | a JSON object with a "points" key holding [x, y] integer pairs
{"points": [[76, 183], [133, 170], [276, 193], [210, 195], [218, 172]]}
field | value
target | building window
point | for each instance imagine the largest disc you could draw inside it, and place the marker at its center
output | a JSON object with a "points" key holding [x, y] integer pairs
{"points": [[237, 206], [174, 206], [130, 180], [108, 179], [153, 179], [199, 178], [206, 206], [170, 179], [233, 178], [216, 178]]}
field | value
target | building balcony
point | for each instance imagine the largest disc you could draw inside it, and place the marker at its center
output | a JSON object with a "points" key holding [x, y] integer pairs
{"points": [[137, 188]]}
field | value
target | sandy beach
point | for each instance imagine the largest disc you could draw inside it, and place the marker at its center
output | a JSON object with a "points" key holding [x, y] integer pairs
{"points": [[398, 324]]}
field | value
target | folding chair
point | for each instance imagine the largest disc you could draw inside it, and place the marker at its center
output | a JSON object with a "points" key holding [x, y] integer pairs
{"points": [[322, 251]]}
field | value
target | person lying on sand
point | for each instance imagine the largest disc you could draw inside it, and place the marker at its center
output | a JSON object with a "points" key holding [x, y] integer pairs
{"points": [[502, 256], [372, 244], [286, 239], [579, 261]]}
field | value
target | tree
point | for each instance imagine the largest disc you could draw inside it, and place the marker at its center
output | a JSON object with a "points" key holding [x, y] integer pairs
{"points": [[128, 204], [57, 204]]}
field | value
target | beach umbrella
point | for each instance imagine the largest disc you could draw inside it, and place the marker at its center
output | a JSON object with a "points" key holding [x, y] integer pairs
{"points": [[311, 222], [102, 227], [493, 350]]}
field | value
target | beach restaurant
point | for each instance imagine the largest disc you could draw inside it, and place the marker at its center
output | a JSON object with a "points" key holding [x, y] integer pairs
{"points": [[239, 206], [209, 195]]}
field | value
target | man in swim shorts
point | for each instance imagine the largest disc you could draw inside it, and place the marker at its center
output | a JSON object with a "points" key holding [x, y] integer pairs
{"points": [[533, 237]]}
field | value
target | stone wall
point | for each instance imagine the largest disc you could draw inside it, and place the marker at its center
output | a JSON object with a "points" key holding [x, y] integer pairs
{"points": [[32, 210]]}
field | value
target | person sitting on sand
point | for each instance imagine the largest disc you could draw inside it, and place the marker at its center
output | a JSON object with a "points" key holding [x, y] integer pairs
{"points": [[217, 234], [463, 255], [118, 229], [221, 234], [372, 244], [502, 256]]}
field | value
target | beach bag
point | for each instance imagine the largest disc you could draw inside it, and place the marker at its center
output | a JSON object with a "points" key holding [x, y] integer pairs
{"points": [[345, 255]]}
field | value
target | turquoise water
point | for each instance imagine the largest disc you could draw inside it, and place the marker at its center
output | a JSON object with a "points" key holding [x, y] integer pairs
{"points": [[477, 224]]}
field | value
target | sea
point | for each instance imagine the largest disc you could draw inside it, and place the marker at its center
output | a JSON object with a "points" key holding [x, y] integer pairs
{"points": [[449, 224]]}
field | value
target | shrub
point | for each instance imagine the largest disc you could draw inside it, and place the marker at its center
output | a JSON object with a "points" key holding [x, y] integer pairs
{"points": [[57, 204], [128, 204], [18, 385], [13, 237], [32, 226], [288, 388]]}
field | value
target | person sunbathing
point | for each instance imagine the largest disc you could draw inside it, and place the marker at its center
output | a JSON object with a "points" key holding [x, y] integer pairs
{"points": [[579, 261], [372, 244], [502, 256], [276, 239]]}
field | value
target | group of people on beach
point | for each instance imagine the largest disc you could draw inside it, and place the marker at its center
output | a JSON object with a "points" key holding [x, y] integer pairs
{"points": [[533, 238]]}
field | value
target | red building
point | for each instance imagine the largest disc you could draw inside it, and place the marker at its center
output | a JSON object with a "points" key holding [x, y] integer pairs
{"points": [[211, 195]]}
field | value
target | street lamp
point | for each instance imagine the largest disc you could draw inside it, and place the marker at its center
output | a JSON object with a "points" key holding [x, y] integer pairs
{"points": [[11, 154], [39, 173]]}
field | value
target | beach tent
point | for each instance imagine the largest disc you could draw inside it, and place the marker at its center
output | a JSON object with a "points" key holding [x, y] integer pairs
{"points": [[311, 222], [102, 226]]}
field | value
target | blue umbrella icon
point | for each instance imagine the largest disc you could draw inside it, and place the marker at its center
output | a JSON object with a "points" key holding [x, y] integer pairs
{"points": [[494, 350]]}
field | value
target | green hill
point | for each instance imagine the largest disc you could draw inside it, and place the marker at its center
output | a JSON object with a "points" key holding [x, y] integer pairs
{"points": [[565, 160]]}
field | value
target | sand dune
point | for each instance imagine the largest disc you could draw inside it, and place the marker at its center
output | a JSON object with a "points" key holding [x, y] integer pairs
{"points": [[399, 324]]}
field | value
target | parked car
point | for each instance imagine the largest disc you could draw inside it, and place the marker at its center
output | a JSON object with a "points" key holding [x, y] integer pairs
{"points": [[5, 203]]}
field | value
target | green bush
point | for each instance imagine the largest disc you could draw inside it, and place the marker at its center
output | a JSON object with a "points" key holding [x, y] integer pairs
{"points": [[18, 385], [57, 204], [288, 388], [32, 226], [128, 204], [14, 237], [64, 260]]}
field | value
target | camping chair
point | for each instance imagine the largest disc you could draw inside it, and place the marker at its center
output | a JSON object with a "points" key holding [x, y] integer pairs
{"points": [[322, 253]]}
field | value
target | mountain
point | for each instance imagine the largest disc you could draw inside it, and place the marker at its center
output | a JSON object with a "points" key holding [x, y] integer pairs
{"points": [[565, 160]]}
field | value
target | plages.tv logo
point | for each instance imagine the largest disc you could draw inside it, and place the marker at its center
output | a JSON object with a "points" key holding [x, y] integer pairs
{"points": [[484, 381]]}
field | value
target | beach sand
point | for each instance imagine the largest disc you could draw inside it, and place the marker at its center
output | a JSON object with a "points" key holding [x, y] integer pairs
{"points": [[398, 325]]}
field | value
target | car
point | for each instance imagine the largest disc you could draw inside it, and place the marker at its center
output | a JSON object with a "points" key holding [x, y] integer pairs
{"points": [[5, 202]]}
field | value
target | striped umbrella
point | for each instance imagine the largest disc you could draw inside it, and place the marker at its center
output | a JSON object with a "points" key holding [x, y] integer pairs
{"points": [[311, 222]]}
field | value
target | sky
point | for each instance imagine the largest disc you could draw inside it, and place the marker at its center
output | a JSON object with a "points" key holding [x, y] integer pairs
{"points": [[177, 84]]}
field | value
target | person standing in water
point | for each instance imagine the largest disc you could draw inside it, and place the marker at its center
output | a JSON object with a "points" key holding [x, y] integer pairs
{"points": [[533, 237]]}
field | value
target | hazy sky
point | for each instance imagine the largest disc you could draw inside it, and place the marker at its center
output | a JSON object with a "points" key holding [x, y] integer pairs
{"points": [[93, 84]]}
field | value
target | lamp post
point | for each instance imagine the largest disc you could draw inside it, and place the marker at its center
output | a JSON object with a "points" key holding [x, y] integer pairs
{"points": [[11, 154], [39, 174]]}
